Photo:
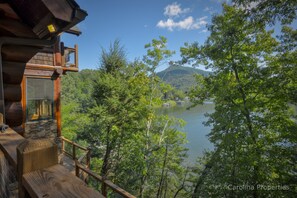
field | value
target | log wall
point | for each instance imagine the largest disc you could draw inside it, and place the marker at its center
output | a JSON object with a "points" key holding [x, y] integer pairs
{"points": [[14, 59]]}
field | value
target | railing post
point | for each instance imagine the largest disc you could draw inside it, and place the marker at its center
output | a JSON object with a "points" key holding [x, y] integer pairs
{"points": [[76, 55], [73, 152], [62, 144], [89, 157], [76, 169]]}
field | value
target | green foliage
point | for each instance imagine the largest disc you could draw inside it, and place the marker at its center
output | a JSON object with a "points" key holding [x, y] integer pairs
{"points": [[75, 97], [113, 59], [269, 11], [253, 129], [156, 52], [112, 109]]}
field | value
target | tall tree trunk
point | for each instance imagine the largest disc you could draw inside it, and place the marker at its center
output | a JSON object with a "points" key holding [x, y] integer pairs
{"points": [[105, 165], [249, 124], [183, 184], [159, 193], [166, 184]]}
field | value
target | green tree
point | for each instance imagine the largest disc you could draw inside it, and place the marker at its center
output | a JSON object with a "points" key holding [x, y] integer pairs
{"points": [[118, 93], [76, 99], [268, 11], [252, 123], [158, 129], [132, 145]]}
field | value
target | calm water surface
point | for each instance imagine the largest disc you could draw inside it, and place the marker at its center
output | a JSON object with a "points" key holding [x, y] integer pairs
{"points": [[194, 128]]}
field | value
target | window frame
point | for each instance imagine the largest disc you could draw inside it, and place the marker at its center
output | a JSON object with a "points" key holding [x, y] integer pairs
{"points": [[53, 116]]}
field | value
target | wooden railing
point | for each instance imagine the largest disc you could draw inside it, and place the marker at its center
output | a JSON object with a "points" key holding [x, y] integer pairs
{"points": [[70, 57], [76, 149], [105, 184]]}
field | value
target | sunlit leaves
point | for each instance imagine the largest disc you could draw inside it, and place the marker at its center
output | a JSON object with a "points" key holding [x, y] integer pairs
{"points": [[251, 88]]}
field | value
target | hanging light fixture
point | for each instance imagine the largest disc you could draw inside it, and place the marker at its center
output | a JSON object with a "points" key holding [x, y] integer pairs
{"points": [[51, 28]]}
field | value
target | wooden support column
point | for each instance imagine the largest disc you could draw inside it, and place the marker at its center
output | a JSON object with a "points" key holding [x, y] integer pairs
{"points": [[57, 99], [57, 53], [24, 103], [1, 118], [76, 55], [34, 155]]}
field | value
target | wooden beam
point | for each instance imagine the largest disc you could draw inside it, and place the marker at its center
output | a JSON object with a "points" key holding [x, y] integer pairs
{"points": [[20, 53], [60, 9], [58, 56], [40, 73], [8, 11], [13, 72], [16, 28]]}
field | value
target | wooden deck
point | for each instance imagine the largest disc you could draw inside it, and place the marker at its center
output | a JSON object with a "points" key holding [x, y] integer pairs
{"points": [[67, 162], [56, 182]]}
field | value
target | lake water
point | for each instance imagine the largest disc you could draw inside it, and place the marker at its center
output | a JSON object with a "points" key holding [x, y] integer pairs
{"points": [[194, 128]]}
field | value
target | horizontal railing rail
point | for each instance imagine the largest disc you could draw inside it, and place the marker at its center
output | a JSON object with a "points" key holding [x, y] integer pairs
{"points": [[105, 184], [74, 151]]}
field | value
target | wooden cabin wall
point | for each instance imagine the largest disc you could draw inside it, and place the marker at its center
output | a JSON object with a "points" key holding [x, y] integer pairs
{"points": [[14, 59], [41, 66], [20, 62], [43, 58]]}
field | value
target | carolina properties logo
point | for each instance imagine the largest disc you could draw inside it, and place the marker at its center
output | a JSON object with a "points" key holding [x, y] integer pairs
{"points": [[247, 187]]}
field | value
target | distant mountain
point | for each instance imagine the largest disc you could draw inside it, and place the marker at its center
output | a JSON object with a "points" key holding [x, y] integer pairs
{"points": [[181, 77]]}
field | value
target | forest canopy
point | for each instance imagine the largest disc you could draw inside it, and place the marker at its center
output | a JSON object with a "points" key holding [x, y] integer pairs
{"points": [[254, 88]]}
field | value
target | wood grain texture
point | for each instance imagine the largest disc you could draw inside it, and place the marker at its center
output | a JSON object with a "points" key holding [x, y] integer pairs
{"points": [[16, 28], [33, 155], [8, 144], [40, 73], [57, 182]]}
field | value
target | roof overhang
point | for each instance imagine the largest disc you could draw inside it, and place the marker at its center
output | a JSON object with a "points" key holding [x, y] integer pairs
{"points": [[45, 18]]}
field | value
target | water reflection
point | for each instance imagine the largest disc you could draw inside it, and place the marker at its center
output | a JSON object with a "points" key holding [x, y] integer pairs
{"points": [[195, 130]]}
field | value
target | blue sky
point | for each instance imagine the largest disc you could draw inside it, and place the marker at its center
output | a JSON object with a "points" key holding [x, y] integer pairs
{"points": [[136, 22]]}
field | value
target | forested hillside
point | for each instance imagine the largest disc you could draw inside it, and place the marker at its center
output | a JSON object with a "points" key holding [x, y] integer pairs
{"points": [[112, 110], [180, 77]]}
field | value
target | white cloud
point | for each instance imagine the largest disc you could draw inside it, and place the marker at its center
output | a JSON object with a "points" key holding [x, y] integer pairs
{"points": [[250, 6], [210, 10], [174, 10], [188, 23], [177, 19], [203, 31]]}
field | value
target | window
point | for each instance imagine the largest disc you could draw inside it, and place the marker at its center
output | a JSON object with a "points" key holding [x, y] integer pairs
{"points": [[40, 99]]}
